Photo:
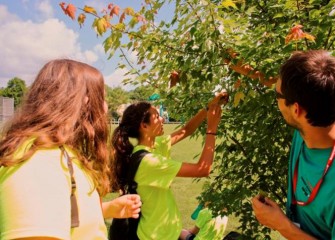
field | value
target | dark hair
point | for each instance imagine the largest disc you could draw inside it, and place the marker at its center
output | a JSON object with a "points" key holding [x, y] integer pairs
{"points": [[64, 105], [308, 78], [133, 116]]}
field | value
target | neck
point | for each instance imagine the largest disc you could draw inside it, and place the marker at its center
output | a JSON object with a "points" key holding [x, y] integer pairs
{"points": [[317, 137], [147, 141]]}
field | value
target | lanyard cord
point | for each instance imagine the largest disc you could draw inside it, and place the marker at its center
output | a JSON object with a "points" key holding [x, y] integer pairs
{"points": [[318, 184]]}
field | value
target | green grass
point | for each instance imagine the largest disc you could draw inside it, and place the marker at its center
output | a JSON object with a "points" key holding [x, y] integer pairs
{"points": [[186, 190]]}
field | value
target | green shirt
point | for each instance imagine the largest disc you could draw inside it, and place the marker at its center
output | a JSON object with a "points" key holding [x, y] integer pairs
{"points": [[210, 228], [160, 217], [318, 217]]}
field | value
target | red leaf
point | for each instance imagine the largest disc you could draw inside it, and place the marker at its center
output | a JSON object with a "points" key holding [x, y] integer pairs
{"points": [[122, 17], [115, 11], [296, 34], [70, 10]]}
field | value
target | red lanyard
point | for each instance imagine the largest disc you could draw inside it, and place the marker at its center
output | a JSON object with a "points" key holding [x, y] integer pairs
{"points": [[317, 186]]}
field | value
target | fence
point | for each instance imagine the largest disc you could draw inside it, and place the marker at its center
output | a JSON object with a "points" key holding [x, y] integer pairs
{"points": [[6, 108]]}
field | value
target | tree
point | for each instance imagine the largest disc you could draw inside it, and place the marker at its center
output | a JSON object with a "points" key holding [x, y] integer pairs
{"points": [[16, 88], [114, 98], [236, 45], [141, 93]]}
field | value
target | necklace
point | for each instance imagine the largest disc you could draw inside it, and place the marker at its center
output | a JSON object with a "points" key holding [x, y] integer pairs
{"points": [[318, 184]]}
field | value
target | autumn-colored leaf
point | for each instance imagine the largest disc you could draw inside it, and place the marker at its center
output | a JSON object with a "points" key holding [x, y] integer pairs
{"points": [[237, 84], [122, 17], [140, 18], [89, 9], [129, 11], [296, 34], [174, 78], [115, 11], [101, 25], [310, 37], [81, 19], [69, 10], [238, 97], [143, 28], [228, 3]]}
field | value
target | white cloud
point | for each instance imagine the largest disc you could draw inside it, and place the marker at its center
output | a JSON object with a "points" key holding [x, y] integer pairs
{"points": [[25, 46], [115, 79], [6, 16], [45, 9]]}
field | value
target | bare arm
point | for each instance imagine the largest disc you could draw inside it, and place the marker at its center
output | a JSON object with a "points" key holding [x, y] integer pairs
{"points": [[270, 215], [125, 206], [203, 167], [190, 127], [37, 238]]}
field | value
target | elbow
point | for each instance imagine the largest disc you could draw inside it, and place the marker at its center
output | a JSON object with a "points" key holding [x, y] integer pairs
{"points": [[204, 172]]}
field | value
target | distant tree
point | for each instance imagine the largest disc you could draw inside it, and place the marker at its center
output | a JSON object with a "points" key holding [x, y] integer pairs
{"points": [[141, 93], [16, 88], [114, 98]]}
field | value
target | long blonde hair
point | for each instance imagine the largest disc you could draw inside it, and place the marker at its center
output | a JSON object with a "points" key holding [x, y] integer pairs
{"points": [[64, 105]]}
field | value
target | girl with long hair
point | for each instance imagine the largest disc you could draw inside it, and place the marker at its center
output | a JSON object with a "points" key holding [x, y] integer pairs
{"points": [[160, 217], [54, 159]]}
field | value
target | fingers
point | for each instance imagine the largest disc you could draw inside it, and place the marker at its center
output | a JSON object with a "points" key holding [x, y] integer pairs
{"points": [[134, 205], [221, 98]]}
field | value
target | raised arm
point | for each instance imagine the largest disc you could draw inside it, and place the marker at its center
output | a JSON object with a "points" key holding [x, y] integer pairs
{"points": [[190, 127], [203, 167]]}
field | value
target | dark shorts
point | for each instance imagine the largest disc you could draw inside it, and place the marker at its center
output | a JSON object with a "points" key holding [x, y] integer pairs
{"points": [[190, 237]]}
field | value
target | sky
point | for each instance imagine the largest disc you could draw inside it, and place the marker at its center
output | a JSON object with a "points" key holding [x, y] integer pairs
{"points": [[33, 32]]}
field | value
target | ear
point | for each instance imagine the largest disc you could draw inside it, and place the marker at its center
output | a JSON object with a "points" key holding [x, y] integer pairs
{"points": [[298, 111], [143, 125]]}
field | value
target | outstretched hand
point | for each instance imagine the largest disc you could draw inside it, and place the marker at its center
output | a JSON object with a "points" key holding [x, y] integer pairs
{"points": [[221, 98], [126, 206]]}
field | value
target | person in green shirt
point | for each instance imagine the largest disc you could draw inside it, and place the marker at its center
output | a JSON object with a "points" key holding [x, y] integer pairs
{"points": [[160, 217], [306, 98], [206, 225]]}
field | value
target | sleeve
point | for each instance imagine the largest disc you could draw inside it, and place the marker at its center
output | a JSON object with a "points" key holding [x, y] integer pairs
{"points": [[35, 199], [203, 218], [157, 171], [163, 145]]}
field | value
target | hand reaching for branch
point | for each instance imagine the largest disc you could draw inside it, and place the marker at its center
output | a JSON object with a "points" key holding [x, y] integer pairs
{"points": [[221, 98]]}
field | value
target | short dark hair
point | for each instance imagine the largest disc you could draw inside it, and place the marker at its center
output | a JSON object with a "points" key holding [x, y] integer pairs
{"points": [[308, 78]]}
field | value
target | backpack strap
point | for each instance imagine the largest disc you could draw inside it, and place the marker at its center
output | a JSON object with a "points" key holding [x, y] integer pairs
{"points": [[74, 204], [135, 160]]}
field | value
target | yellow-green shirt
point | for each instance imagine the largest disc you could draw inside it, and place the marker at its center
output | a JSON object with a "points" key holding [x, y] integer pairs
{"points": [[35, 199], [210, 228], [160, 217]]}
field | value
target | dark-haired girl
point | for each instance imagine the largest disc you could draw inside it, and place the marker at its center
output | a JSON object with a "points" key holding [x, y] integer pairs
{"points": [[160, 217]]}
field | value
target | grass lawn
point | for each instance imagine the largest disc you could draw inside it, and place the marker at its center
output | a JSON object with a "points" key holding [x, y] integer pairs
{"points": [[187, 189]]}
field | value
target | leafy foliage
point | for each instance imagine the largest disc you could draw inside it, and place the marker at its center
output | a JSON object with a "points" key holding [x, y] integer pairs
{"points": [[223, 44], [16, 88]]}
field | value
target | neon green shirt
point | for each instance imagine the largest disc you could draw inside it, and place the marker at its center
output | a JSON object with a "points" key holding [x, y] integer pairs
{"points": [[35, 199], [160, 217], [210, 228]]}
